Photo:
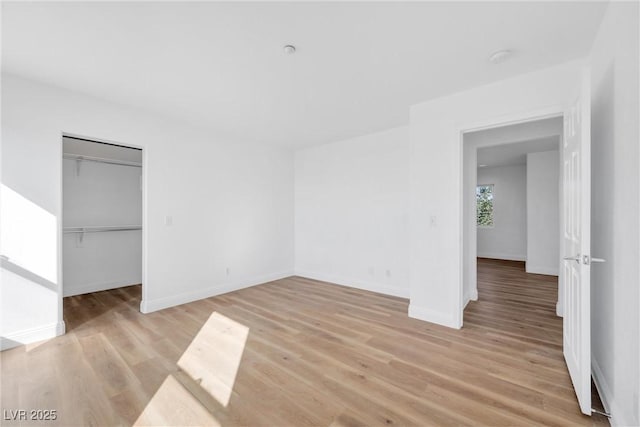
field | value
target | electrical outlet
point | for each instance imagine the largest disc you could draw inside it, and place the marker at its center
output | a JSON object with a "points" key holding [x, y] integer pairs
{"points": [[228, 271], [388, 273], [371, 271], [168, 220]]}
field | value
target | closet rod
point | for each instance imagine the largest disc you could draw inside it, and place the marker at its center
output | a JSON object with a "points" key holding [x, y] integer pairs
{"points": [[102, 160], [100, 229]]}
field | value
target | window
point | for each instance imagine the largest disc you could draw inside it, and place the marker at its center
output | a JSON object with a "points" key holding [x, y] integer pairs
{"points": [[484, 203]]}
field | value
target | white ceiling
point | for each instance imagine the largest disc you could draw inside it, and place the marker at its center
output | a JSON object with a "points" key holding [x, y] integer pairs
{"points": [[516, 153], [358, 68]]}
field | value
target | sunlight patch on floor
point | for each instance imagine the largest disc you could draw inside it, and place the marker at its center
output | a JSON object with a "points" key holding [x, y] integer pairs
{"points": [[173, 405], [212, 361], [213, 357]]}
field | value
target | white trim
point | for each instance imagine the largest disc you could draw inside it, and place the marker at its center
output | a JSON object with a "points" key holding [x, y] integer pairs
{"points": [[439, 317], [537, 269], [148, 306], [145, 221], [607, 398], [471, 296], [60, 234], [98, 287], [504, 256], [559, 309], [32, 335], [357, 284], [533, 115], [560, 302]]}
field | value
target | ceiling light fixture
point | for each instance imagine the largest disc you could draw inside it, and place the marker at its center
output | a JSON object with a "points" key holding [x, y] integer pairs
{"points": [[500, 56], [289, 49], [482, 166]]}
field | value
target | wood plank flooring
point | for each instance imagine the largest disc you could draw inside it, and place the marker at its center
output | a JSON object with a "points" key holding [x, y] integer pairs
{"points": [[301, 352]]}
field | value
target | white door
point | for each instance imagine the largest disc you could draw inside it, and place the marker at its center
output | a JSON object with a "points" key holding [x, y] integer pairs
{"points": [[576, 268]]}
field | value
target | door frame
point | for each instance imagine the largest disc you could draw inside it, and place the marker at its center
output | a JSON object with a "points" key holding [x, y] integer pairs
{"points": [[470, 247], [60, 224]]}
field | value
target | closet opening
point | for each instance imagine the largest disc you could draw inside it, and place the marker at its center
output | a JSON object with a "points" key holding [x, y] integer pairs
{"points": [[102, 211]]}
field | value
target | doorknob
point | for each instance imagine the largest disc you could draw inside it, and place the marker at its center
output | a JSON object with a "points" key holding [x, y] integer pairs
{"points": [[587, 260], [576, 258]]}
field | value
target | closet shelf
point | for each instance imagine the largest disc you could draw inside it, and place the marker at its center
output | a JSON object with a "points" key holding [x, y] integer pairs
{"points": [[101, 160], [99, 229]]}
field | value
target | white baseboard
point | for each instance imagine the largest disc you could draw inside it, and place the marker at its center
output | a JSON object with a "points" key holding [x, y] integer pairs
{"points": [[358, 284], [507, 257], [148, 306], [606, 395], [539, 269], [428, 315], [32, 335], [471, 296], [559, 310], [69, 291]]}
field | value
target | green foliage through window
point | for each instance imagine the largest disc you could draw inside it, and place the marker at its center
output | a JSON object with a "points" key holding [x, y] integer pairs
{"points": [[484, 203]]}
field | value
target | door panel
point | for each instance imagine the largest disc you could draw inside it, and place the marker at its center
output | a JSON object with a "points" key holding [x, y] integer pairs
{"points": [[577, 252]]}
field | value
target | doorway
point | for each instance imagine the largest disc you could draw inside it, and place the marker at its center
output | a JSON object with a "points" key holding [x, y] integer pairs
{"points": [[512, 199], [102, 216], [573, 103]]}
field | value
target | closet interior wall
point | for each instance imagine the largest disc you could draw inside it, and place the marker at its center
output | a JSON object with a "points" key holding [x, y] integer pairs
{"points": [[102, 216]]}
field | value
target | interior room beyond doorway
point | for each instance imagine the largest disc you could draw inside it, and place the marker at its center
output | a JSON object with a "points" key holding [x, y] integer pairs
{"points": [[512, 198]]}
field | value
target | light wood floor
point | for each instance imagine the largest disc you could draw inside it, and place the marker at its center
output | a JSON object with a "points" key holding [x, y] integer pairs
{"points": [[306, 353]]}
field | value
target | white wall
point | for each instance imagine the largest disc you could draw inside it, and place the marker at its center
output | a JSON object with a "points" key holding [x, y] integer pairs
{"points": [[101, 194], [351, 201], [231, 203], [615, 212], [436, 224], [101, 261], [543, 213], [507, 239]]}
